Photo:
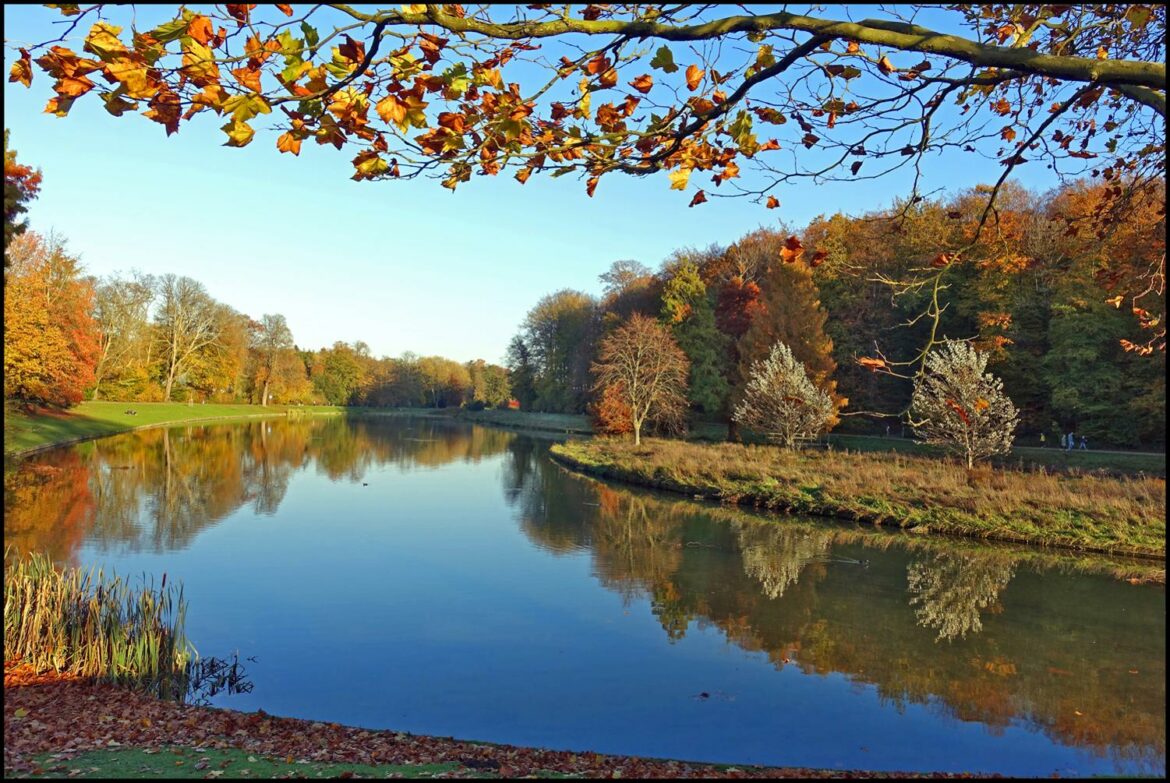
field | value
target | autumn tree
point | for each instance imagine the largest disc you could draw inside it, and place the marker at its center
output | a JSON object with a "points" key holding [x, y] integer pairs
{"points": [[559, 335], [781, 402], [647, 368], [21, 184], [743, 102], [275, 361], [122, 311], [50, 338], [790, 312], [959, 406], [522, 371], [187, 321], [338, 373]]}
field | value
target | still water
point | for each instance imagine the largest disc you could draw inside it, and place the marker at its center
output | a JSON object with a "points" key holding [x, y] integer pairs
{"points": [[441, 578]]}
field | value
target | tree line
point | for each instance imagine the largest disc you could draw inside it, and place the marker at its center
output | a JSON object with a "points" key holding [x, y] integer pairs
{"points": [[146, 338], [864, 310]]}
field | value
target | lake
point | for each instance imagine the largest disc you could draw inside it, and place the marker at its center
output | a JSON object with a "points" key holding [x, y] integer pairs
{"points": [[436, 577]]}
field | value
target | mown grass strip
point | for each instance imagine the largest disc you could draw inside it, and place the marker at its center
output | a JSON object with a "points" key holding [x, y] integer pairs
{"points": [[25, 432], [1092, 513]]}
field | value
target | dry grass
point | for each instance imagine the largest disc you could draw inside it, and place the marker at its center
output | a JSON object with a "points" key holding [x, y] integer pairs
{"points": [[1081, 511]]}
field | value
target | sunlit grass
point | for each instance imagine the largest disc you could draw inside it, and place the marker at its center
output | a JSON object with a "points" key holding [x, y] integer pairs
{"points": [[24, 431], [91, 624], [1120, 515]]}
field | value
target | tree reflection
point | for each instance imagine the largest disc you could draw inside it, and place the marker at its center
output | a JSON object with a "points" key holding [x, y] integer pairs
{"points": [[776, 554], [157, 489], [951, 590]]}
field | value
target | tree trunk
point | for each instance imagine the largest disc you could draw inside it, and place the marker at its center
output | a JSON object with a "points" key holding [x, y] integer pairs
{"points": [[264, 396], [637, 434]]}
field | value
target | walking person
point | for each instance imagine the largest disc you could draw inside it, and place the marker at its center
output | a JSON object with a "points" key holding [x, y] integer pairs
{"points": [[1072, 441], [1063, 441], [1084, 442], [1041, 440]]}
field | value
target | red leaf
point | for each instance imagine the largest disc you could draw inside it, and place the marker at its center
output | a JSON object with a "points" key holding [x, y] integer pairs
{"points": [[699, 198], [773, 202]]}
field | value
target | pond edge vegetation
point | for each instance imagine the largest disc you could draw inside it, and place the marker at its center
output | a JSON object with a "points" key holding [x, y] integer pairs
{"points": [[1113, 516]]}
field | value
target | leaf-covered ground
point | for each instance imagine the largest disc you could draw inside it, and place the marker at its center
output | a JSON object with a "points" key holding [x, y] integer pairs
{"points": [[61, 727]]}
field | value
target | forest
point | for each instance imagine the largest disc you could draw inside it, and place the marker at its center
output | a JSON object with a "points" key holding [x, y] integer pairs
{"points": [[860, 311]]}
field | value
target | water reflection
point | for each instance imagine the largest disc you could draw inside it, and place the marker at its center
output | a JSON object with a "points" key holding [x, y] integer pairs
{"points": [[999, 635]]}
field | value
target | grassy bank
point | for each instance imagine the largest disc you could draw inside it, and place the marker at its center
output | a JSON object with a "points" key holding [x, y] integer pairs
{"points": [[528, 420], [1124, 516], [26, 431]]}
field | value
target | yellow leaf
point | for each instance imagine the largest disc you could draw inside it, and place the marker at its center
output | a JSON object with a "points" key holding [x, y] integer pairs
{"points": [[679, 179], [239, 133]]}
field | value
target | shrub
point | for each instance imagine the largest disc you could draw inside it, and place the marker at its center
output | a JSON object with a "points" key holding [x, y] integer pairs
{"points": [[960, 407], [781, 403]]}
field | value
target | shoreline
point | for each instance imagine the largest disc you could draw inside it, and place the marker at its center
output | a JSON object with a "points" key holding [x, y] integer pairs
{"points": [[37, 710], [600, 458]]}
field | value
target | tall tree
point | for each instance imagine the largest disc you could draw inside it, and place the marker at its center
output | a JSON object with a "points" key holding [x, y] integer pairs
{"points": [[791, 314], [275, 355], [643, 363], [50, 337], [187, 321], [21, 184], [522, 371], [122, 311], [687, 311]]}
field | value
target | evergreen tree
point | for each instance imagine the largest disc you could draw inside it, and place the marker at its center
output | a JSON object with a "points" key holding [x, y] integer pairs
{"points": [[687, 310]]}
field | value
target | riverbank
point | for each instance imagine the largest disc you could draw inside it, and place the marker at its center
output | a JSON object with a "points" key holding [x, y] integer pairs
{"points": [[26, 432], [55, 727], [1090, 513]]}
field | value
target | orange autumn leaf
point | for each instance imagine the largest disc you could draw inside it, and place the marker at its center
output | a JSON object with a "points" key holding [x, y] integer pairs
{"points": [[818, 258], [941, 260], [289, 143], [284, 9], [591, 185], [643, 83], [773, 202], [694, 76], [523, 174], [699, 198], [248, 77], [791, 250], [598, 64], [885, 66], [608, 77], [873, 365], [22, 69], [200, 29]]}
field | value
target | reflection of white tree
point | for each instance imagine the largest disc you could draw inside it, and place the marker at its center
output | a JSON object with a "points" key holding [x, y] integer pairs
{"points": [[950, 590], [774, 554]]}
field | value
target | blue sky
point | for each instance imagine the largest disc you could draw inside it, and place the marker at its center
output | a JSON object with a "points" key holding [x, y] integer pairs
{"points": [[401, 265]]}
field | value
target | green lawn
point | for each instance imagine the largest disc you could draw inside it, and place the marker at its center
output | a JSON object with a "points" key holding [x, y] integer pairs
{"points": [[23, 432], [180, 762]]}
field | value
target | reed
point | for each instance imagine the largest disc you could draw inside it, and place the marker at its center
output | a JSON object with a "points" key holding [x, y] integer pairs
{"points": [[90, 624]]}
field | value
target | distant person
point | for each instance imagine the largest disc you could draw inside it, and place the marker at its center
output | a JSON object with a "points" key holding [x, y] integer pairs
{"points": [[887, 430], [1041, 440], [1072, 441], [1063, 441], [1084, 442]]}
